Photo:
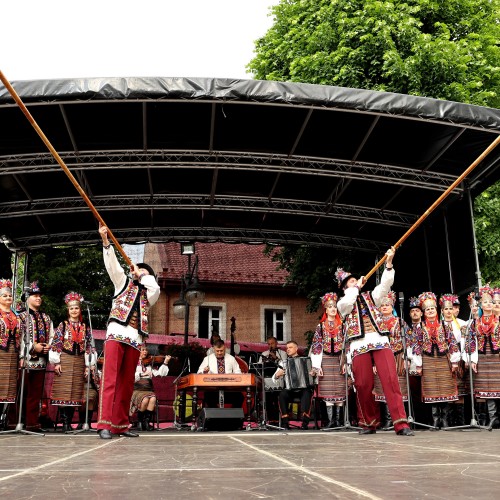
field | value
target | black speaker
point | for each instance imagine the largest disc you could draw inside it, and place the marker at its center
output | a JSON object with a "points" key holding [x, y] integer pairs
{"points": [[221, 419]]}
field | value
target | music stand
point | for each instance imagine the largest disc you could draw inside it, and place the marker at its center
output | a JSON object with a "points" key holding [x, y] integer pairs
{"points": [[473, 422], [180, 425], [347, 423], [20, 426], [86, 427], [409, 417], [263, 425]]}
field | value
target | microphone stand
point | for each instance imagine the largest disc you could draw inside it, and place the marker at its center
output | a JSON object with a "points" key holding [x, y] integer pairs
{"points": [[180, 425], [20, 426], [409, 417], [86, 427], [473, 422], [347, 423], [263, 425]]}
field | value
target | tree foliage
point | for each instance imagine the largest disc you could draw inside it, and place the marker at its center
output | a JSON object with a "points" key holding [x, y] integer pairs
{"points": [[487, 224], [445, 50], [431, 48]]}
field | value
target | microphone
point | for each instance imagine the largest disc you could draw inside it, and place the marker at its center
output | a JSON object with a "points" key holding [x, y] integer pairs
{"points": [[27, 287], [401, 297], [88, 303]]}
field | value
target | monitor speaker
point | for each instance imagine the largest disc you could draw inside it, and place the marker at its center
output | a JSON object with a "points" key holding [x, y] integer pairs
{"points": [[221, 419]]}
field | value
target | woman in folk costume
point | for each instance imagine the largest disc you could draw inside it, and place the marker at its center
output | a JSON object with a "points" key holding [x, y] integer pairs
{"points": [[10, 339], [496, 302], [71, 355], [328, 361], [484, 352], [457, 326], [397, 328], [144, 398], [436, 354]]}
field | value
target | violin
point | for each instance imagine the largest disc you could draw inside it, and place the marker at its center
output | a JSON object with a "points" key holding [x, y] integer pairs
{"points": [[154, 360]]}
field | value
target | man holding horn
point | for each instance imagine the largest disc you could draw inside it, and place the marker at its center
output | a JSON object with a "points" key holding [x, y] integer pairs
{"points": [[125, 335], [369, 346]]}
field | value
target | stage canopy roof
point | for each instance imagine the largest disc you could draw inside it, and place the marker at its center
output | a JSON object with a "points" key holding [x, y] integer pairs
{"points": [[176, 159]]}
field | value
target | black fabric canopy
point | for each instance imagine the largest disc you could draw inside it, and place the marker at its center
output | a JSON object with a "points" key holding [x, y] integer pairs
{"points": [[166, 159]]}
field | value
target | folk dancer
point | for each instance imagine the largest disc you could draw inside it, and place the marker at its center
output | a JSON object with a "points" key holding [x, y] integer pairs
{"points": [[125, 335], [369, 345], [436, 355], [484, 349], [10, 341], [40, 332], [397, 328], [71, 355], [328, 360], [449, 303]]}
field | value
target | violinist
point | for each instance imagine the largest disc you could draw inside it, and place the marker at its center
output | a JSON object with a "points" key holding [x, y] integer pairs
{"points": [[221, 362], [143, 398]]}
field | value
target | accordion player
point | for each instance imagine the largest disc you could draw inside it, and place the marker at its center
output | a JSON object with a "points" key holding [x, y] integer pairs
{"points": [[298, 376]]}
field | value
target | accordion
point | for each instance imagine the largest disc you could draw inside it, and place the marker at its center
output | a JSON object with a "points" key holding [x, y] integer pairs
{"points": [[297, 373]]}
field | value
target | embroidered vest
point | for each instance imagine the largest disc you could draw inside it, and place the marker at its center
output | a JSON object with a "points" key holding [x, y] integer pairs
{"points": [[445, 340], [132, 298], [354, 325], [330, 343], [482, 333], [64, 341]]}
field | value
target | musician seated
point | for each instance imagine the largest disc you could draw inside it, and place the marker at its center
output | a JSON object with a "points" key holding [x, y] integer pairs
{"points": [[214, 338], [288, 394], [220, 362], [273, 354]]}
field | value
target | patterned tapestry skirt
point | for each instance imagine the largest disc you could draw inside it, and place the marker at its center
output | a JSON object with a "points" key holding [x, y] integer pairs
{"points": [[142, 389], [67, 389], [487, 378], [8, 380], [378, 392], [438, 384], [93, 396], [331, 386]]}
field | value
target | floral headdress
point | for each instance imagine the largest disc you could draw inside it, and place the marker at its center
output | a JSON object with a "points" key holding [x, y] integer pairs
{"points": [[329, 297], [448, 297], [390, 298], [342, 277], [427, 299], [73, 298], [7, 284], [414, 302], [485, 290]]}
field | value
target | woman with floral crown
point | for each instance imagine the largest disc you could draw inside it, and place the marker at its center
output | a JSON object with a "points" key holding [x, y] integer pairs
{"points": [[71, 354], [434, 351], [397, 328], [447, 304], [9, 346], [484, 349], [328, 361]]}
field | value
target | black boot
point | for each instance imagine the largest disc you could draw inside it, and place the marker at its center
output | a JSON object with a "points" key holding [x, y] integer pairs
{"points": [[387, 425], [481, 408], [460, 413], [148, 418], [445, 412], [436, 412], [141, 425], [492, 409], [338, 416], [70, 411], [329, 413], [64, 418]]}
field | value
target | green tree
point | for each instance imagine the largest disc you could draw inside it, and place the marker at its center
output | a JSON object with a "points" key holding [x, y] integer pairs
{"points": [[487, 224], [441, 49], [431, 48]]}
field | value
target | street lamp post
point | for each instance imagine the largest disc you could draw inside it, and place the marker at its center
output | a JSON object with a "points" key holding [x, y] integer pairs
{"points": [[191, 294]]}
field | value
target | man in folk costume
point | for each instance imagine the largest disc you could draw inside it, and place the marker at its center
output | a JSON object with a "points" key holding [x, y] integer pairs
{"points": [[40, 332], [369, 345], [71, 355], [10, 342], [397, 328], [434, 350], [496, 302], [484, 350], [328, 361], [447, 304], [125, 335]]}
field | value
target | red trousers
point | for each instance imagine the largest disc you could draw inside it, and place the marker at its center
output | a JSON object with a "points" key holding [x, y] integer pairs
{"points": [[117, 386], [33, 391], [362, 367]]}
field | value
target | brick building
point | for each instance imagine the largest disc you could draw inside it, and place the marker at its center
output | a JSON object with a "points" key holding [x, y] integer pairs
{"points": [[239, 281]]}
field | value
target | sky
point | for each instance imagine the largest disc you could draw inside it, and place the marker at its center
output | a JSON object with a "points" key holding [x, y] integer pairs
{"points": [[45, 39]]}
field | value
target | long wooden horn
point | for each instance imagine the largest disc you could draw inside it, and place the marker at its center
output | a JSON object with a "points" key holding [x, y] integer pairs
{"points": [[424, 216], [59, 160]]}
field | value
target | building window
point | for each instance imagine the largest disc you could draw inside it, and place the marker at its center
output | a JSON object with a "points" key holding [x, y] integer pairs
{"points": [[210, 321], [276, 322]]}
